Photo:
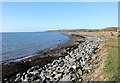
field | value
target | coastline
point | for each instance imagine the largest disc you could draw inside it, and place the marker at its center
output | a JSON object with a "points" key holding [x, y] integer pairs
{"points": [[35, 53], [50, 56]]}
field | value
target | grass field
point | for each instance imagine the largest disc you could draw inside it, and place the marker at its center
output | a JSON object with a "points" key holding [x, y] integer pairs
{"points": [[110, 69]]}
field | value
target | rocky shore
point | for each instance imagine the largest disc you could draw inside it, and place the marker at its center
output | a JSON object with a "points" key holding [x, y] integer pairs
{"points": [[72, 66]]}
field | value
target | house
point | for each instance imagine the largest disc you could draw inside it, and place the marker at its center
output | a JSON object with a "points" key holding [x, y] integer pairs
{"points": [[118, 30]]}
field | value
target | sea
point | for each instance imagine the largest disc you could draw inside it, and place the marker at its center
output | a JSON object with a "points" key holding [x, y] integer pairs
{"points": [[19, 44]]}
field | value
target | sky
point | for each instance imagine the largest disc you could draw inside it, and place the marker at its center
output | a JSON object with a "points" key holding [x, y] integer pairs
{"points": [[41, 16]]}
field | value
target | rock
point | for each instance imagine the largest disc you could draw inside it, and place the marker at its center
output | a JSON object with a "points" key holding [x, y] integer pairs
{"points": [[44, 80], [67, 57], [53, 75], [55, 72], [61, 64], [29, 80], [39, 70], [54, 69], [36, 67], [57, 77], [54, 62], [29, 75], [32, 69], [36, 76], [87, 67], [44, 68], [66, 71], [18, 75], [60, 71], [79, 71], [74, 67], [51, 79], [71, 70], [79, 79], [73, 79], [18, 79], [65, 78], [47, 66], [23, 77]]}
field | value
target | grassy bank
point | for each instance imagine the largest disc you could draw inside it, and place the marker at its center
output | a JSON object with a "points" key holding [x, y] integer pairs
{"points": [[110, 69], [110, 66]]}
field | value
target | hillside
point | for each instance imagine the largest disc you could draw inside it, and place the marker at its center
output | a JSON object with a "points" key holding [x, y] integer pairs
{"points": [[86, 30]]}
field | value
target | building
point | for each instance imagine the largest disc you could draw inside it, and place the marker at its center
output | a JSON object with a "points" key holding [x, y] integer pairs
{"points": [[118, 30]]}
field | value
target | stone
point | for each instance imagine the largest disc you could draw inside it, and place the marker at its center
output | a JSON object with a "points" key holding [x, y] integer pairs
{"points": [[29, 75], [67, 57], [79, 71], [65, 78], [36, 67], [29, 80], [71, 70], [61, 64], [66, 71], [47, 66], [73, 79], [35, 72], [54, 69], [31, 70], [74, 67], [55, 72], [51, 79], [23, 76], [18, 75], [87, 67], [18, 79], [44, 68], [36, 76], [79, 79], [39, 70], [44, 80], [58, 76], [53, 75]]}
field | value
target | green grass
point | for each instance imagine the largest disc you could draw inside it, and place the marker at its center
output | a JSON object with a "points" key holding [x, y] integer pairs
{"points": [[110, 69]]}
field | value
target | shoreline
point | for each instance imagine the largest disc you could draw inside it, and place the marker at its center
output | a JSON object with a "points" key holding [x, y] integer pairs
{"points": [[74, 54], [34, 54], [51, 54]]}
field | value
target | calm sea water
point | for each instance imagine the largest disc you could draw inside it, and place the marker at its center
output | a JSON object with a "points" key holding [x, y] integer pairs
{"points": [[20, 44]]}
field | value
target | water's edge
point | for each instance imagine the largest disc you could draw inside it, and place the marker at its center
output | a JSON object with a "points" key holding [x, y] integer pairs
{"points": [[41, 59], [34, 54]]}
